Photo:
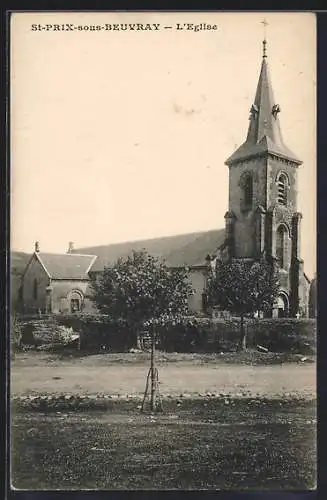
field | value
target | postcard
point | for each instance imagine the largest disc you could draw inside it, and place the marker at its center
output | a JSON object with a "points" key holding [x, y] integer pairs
{"points": [[163, 246]]}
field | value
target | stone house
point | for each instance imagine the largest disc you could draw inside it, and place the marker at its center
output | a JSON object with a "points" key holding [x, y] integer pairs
{"points": [[56, 283]]}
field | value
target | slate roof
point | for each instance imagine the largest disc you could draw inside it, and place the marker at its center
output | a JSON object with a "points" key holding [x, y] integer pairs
{"points": [[264, 133], [249, 150], [181, 250], [66, 266]]}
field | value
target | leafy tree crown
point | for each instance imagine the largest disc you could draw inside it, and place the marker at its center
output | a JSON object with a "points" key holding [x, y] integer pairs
{"points": [[140, 290], [243, 287]]}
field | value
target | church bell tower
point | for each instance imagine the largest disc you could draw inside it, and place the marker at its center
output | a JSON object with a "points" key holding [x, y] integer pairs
{"points": [[262, 219]]}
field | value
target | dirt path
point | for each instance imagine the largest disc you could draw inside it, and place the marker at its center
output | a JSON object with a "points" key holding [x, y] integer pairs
{"points": [[175, 378]]}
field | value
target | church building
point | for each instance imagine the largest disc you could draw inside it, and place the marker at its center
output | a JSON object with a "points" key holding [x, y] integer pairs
{"points": [[262, 219], [262, 222]]}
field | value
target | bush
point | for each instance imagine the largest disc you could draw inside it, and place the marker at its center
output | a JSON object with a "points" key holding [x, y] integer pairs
{"points": [[98, 332], [62, 335], [200, 335], [214, 335], [195, 334], [16, 334], [45, 331], [286, 334], [27, 333]]}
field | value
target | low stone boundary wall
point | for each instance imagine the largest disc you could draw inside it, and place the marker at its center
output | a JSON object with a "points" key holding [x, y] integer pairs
{"points": [[71, 402]]}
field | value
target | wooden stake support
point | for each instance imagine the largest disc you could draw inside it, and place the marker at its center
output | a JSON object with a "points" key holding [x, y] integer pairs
{"points": [[153, 381], [155, 398]]}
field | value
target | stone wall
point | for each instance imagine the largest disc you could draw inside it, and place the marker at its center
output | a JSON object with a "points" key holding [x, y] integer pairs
{"points": [[62, 291], [245, 217], [274, 167], [35, 273]]}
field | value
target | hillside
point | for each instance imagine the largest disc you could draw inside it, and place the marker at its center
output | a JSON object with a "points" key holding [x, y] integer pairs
{"points": [[18, 262]]}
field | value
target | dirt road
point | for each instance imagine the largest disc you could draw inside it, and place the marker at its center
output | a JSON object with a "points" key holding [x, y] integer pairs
{"points": [[31, 374]]}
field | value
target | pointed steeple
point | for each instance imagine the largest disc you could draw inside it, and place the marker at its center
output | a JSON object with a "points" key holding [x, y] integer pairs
{"points": [[264, 133]]}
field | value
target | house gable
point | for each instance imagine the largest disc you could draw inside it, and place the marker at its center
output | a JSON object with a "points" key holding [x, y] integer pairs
{"points": [[35, 281]]}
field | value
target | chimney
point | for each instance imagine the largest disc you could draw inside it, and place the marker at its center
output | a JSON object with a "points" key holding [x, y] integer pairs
{"points": [[70, 247], [37, 247]]}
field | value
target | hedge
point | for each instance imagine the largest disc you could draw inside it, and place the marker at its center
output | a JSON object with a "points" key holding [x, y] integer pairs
{"points": [[195, 335], [277, 335], [98, 332], [286, 334]]}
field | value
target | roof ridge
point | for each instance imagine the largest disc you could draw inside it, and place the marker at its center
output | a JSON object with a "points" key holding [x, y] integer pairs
{"points": [[81, 254], [66, 254], [265, 146], [198, 233], [183, 249], [39, 258]]}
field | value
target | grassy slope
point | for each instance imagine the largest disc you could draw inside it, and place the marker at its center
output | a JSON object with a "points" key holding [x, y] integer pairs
{"points": [[18, 262]]}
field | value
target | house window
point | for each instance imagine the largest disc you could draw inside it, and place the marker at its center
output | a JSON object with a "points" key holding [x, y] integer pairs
{"points": [[281, 245], [282, 187], [75, 305], [35, 290]]}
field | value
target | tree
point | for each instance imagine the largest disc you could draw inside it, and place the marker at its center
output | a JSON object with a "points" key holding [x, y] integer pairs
{"points": [[243, 288], [142, 293], [139, 289]]}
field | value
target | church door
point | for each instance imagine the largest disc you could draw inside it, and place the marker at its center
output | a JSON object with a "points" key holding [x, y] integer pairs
{"points": [[282, 306]]}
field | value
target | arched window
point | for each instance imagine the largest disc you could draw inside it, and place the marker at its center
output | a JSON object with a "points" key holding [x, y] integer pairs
{"points": [[282, 305], [247, 188], [281, 242], [76, 301], [35, 289], [282, 187]]}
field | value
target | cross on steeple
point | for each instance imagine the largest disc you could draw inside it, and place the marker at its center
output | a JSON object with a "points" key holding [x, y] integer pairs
{"points": [[265, 24], [264, 132]]}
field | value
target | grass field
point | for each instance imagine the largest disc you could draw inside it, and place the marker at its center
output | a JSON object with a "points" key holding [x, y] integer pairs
{"points": [[45, 373], [270, 447]]}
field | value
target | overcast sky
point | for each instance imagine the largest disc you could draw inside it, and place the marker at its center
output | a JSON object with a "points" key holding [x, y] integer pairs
{"points": [[122, 135]]}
